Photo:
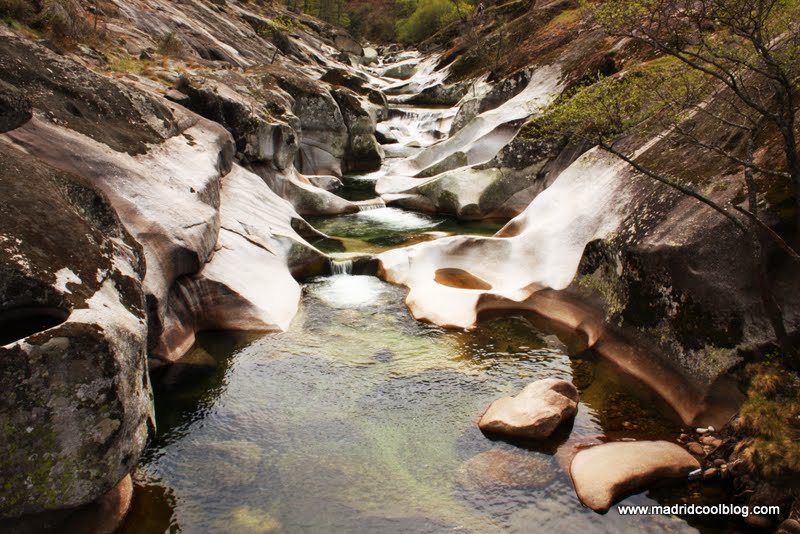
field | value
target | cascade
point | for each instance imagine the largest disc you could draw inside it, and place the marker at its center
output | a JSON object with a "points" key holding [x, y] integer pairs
{"points": [[371, 204], [341, 267]]}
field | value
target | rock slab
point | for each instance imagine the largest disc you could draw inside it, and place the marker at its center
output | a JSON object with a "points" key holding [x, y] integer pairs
{"points": [[605, 474], [535, 412]]}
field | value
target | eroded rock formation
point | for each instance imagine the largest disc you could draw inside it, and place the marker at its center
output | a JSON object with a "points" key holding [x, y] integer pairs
{"points": [[75, 394], [135, 226]]}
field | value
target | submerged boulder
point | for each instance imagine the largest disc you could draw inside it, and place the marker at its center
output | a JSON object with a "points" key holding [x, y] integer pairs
{"points": [[105, 515], [535, 412], [606, 473], [501, 468]]}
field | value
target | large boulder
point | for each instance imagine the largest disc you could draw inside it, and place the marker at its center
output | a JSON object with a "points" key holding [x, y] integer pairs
{"points": [[348, 45], [268, 135], [501, 188], [104, 516], [370, 56], [74, 97], [15, 107], [483, 97], [363, 152], [355, 82], [247, 113], [401, 71], [606, 473], [440, 94], [544, 265], [302, 192], [482, 138], [534, 413], [249, 283], [74, 392], [323, 132], [158, 164]]}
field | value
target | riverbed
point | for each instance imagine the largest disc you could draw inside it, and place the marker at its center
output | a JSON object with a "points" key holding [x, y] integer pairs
{"points": [[361, 419]]}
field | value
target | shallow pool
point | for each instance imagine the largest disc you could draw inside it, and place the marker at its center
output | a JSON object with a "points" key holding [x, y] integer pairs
{"points": [[361, 419]]}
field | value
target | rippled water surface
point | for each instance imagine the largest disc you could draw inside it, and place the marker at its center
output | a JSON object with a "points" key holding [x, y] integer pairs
{"points": [[361, 419]]}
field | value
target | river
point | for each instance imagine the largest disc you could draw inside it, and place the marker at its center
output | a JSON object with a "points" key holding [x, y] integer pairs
{"points": [[361, 419]]}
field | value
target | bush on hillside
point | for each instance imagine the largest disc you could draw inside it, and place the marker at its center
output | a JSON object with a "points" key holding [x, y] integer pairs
{"points": [[430, 16]]}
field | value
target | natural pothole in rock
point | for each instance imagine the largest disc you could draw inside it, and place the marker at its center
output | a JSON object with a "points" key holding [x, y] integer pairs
{"points": [[460, 279], [19, 323]]}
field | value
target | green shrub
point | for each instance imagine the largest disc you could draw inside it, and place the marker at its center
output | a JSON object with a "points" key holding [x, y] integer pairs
{"points": [[429, 16], [171, 45], [771, 419]]}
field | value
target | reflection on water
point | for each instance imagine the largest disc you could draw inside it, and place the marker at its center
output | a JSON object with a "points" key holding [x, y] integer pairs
{"points": [[360, 419]]}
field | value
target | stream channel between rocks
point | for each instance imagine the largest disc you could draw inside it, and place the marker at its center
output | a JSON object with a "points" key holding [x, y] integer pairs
{"points": [[361, 419]]}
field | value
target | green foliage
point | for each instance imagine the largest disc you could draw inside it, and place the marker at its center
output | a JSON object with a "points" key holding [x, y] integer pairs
{"points": [[570, 16], [771, 417], [606, 284], [285, 24], [127, 63], [653, 96], [728, 38], [428, 17]]}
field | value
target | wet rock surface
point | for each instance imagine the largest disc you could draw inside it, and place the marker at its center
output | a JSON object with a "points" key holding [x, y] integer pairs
{"points": [[105, 515], [126, 226], [231, 248]]}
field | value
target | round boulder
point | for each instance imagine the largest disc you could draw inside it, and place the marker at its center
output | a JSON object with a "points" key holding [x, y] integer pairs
{"points": [[535, 412]]}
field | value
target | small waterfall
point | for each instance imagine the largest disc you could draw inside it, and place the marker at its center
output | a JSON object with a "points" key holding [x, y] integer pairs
{"points": [[371, 204], [341, 267]]}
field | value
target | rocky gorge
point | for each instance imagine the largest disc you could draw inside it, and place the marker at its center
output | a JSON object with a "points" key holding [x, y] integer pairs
{"points": [[172, 174]]}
